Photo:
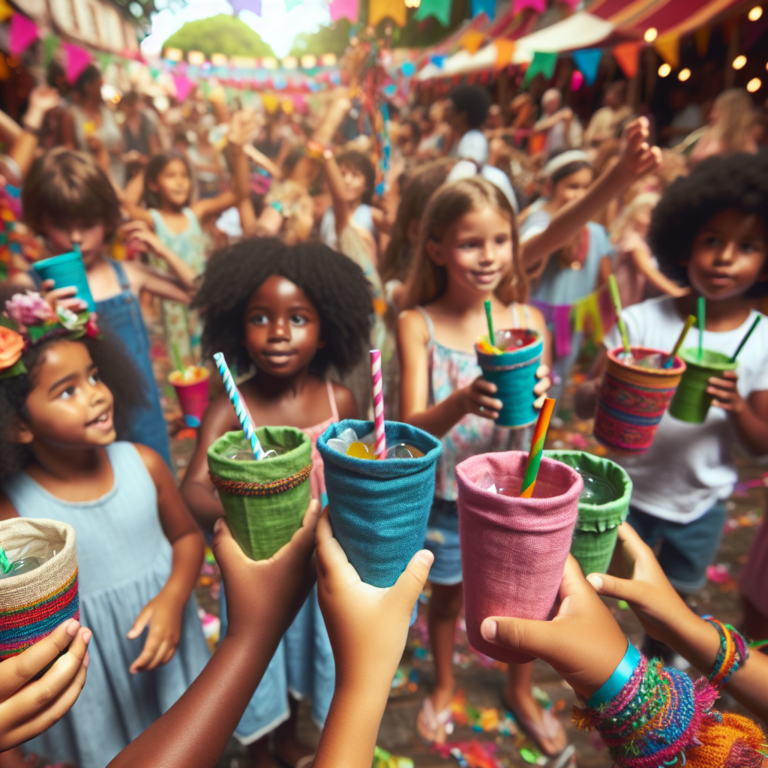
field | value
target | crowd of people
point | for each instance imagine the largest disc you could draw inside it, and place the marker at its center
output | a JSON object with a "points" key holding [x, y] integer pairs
{"points": [[276, 235]]}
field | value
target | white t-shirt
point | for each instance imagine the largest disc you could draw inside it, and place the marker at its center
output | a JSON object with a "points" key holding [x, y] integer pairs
{"points": [[473, 146], [689, 467]]}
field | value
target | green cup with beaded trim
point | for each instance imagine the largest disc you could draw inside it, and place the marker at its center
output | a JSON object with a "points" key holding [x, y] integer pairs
{"points": [[264, 501]]}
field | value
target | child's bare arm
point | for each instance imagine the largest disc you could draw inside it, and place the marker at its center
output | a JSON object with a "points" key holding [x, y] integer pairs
{"points": [[138, 233], [143, 278]]}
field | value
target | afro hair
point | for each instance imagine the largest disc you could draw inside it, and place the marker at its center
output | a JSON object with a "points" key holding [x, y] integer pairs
{"points": [[735, 182], [472, 100], [332, 282]]}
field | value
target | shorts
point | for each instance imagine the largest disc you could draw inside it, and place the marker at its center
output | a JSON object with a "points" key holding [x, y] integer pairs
{"points": [[687, 549], [443, 542]]}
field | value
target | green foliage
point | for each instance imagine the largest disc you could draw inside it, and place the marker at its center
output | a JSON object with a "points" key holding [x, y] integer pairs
{"points": [[331, 39], [219, 34]]}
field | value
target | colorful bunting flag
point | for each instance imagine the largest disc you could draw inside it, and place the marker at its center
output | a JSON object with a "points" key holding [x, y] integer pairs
{"points": [[668, 47], [385, 9], [343, 9], [246, 5], [588, 62], [21, 34], [542, 62], [472, 41], [183, 86], [537, 5], [438, 59], [627, 56], [5, 10], [50, 44], [440, 9], [488, 7], [504, 50], [105, 59], [408, 69], [76, 59]]}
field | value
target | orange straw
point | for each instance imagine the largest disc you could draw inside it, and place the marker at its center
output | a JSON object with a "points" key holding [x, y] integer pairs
{"points": [[537, 449]]}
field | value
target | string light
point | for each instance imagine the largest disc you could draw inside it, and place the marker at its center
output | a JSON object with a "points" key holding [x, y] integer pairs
{"points": [[650, 34], [196, 58], [684, 74], [739, 62], [755, 13], [664, 70], [412, 3], [754, 85]]}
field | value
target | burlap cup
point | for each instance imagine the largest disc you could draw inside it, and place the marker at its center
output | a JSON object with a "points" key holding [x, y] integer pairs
{"points": [[264, 501], [379, 509], [34, 603], [513, 550], [632, 400], [691, 401], [594, 538]]}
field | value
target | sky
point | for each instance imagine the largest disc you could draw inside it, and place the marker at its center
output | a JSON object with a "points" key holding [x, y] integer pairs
{"points": [[276, 26]]}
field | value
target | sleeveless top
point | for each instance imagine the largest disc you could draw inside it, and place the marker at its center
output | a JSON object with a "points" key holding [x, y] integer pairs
{"points": [[189, 245], [317, 478], [449, 370]]}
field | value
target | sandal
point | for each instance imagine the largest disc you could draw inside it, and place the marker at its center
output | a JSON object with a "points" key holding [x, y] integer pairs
{"points": [[549, 731], [432, 722]]}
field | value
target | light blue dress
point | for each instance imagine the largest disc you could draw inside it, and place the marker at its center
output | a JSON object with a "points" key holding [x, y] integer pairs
{"points": [[124, 560]]}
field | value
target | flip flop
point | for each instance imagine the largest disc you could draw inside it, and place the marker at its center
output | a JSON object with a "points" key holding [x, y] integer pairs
{"points": [[547, 731], [434, 721]]}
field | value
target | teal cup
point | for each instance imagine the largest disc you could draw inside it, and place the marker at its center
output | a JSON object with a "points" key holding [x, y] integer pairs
{"points": [[514, 374], [66, 270]]}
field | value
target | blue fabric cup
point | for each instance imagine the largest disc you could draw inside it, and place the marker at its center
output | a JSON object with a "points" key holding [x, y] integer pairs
{"points": [[514, 374], [379, 509], [65, 270]]}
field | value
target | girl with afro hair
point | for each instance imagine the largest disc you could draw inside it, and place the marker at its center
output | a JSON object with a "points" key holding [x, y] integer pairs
{"points": [[289, 313], [709, 233]]}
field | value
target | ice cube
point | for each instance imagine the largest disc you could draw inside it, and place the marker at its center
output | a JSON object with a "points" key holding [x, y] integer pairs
{"points": [[487, 483], [337, 444], [348, 436], [400, 451]]}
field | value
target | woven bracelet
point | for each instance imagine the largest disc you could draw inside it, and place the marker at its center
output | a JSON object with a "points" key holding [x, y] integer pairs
{"points": [[239, 488], [733, 652]]}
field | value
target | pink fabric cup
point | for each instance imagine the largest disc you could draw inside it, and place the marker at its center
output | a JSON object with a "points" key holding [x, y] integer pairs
{"points": [[513, 550], [193, 399]]}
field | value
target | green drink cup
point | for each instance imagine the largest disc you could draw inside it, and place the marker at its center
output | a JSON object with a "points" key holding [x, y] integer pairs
{"points": [[594, 537], [691, 401], [264, 501]]}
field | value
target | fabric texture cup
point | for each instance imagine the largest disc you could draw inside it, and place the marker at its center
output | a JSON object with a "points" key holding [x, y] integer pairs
{"points": [[514, 374], [65, 270], [193, 399], [513, 550], [379, 508], [596, 532], [264, 501], [632, 400], [34, 603], [691, 401]]}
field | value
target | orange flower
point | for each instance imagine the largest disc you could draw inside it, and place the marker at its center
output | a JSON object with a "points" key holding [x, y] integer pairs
{"points": [[11, 347]]}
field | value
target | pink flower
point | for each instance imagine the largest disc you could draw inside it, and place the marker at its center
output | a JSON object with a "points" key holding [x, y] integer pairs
{"points": [[91, 329], [29, 309]]}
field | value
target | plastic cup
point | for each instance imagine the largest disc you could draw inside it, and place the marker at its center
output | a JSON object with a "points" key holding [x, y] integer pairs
{"points": [[513, 550], [596, 532], [632, 400], [379, 508], [193, 398], [65, 270], [264, 501], [691, 401], [514, 374]]}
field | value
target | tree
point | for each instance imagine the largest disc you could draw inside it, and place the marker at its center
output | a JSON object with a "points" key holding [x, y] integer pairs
{"points": [[219, 34], [327, 39]]}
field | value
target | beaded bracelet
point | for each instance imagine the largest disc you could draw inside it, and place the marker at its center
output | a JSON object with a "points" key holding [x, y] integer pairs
{"points": [[733, 652]]}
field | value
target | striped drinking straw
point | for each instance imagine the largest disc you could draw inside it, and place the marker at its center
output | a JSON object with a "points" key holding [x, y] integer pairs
{"points": [[380, 449], [537, 449]]}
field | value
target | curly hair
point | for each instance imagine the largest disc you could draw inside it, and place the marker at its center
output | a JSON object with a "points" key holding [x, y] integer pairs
{"points": [[116, 370], [718, 184], [333, 283]]}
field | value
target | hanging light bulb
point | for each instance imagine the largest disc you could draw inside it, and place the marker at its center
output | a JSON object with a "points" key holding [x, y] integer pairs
{"points": [[739, 62], [755, 13], [412, 3], [754, 85], [664, 69], [684, 74], [650, 34]]}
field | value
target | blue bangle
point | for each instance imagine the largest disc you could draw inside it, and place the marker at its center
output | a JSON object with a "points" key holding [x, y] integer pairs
{"points": [[621, 675]]}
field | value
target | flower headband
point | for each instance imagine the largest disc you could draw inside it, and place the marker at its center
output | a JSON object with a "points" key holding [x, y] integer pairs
{"points": [[28, 320]]}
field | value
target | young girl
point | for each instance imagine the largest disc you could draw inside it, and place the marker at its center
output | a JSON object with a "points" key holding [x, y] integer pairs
{"points": [[467, 253], [291, 313], [139, 550], [708, 232], [70, 201]]}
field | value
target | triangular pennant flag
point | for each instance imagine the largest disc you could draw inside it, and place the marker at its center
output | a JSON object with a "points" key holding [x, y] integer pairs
{"points": [[440, 9], [385, 9], [472, 40], [438, 59], [50, 44], [105, 59], [343, 9], [504, 50], [701, 36], [588, 62], [626, 56], [542, 62], [668, 47], [488, 7], [537, 5], [21, 34], [246, 5], [183, 86], [291, 4], [5, 10], [75, 61]]}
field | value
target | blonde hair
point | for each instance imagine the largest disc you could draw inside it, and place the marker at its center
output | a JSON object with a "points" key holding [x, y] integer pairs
{"points": [[426, 280], [628, 212], [735, 120]]}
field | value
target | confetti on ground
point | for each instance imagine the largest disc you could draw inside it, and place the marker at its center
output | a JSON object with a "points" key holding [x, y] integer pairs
{"points": [[623, 604], [383, 759], [470, 754], [718, 574]]}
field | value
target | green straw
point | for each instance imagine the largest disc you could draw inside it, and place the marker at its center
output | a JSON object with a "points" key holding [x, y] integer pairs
{"points": [[679, 343], [701, 309], [745, 339], [491, 334], [177, 357], [5, 563], [616, 299]]}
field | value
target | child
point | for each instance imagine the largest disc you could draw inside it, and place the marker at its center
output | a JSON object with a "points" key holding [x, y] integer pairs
{"points": [[467, 253], [139, 550], [708, 232], [291, 313], [70, 201]]}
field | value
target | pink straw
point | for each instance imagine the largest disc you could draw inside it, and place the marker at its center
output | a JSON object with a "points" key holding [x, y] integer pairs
{"points": [[378, 405]]}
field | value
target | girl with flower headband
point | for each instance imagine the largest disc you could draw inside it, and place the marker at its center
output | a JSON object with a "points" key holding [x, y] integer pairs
{"points": [[64, 388]]}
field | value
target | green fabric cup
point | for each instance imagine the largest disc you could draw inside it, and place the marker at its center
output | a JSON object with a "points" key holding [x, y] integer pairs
{"points": [[264, 501], [691, 401], [594, 538]]}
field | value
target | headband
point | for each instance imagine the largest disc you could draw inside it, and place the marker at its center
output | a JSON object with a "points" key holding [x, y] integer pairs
{"points": [[466, 169], [563, 159]]}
